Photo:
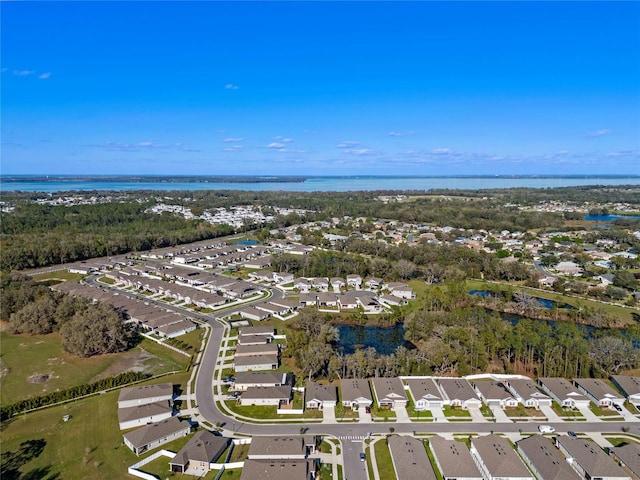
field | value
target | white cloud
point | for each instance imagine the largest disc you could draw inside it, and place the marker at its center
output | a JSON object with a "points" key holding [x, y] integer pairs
{"points": [[276, 145], [620, 153], [44, 76], [359, 151], [599, 133], [142, 146], [23, 73], [283, 139], [232, 148], [562, 152], [347, 144], [400, 134], [442, 151], [232, 139], [231, 86]]}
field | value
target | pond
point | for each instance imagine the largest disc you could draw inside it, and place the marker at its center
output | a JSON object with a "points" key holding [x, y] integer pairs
{"points": [[543, 302], [385, 340], [608, 218]]}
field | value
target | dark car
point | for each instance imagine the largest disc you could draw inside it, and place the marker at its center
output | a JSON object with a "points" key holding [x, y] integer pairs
{"points": [[617, 407], [229, 380], [362, 457], [572, 434]]}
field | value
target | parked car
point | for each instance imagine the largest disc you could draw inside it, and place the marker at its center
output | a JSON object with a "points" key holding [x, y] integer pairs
{"points": [[362, 457], [572, 434], [229, 380], [546, 429], [617, 407]]}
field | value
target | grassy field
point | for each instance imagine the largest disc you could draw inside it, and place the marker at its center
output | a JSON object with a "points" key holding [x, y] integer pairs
{"points": [[34, 365], [58, 275], [89, 445], [383, 460]]}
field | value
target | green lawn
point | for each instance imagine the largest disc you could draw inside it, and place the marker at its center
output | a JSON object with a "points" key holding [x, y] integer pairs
{"points": [[58, 275], [383, 460], [34, 365], [456, 412], [268, 412], [89, 445]]}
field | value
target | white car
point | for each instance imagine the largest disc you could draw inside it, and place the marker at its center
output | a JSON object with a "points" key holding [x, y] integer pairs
{"points": [[546, 429]]}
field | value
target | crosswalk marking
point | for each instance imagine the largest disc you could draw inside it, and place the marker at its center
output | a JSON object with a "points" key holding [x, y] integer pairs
{"points": [[351, 437]]}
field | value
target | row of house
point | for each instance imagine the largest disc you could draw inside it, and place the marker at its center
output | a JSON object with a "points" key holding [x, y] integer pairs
{"points": [[139, 406], [152, 318]]}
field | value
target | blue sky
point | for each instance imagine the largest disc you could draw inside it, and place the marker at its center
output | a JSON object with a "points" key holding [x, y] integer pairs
{"points": [[320, 88]]}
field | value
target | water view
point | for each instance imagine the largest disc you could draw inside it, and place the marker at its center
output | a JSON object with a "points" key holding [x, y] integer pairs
{"points": [[385, 340]]}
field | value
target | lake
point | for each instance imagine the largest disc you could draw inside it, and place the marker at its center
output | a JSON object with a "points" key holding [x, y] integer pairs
{"points": [[385, 340]]}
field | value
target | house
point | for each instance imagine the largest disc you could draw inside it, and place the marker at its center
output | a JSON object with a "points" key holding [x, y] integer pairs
{"points": [[283, 278], [174, 330], [139, 415], [389, 392], [244, 380], [278, 470], [527, 393], [544, 459], [156, 434], [453, 459], [409, 458], [253, 313], [326, 299], [303, 285], [373, 283], [354, 281], [278, 396], [425, 393], [355, 393], [628, 456], [248, 363], [252, 350], [253, 339], [569, 268], [589, 460], [391, 301], [401, 290], [263, 276], [308, 299], [260, 330], [459, 393], [196, 457], [319, 396], [347, 302], [281, 447], [495, 394], [321, 284], [496, 459], [563, 392], [599, 392], [134, 396], [337, 283], [630, 386]]}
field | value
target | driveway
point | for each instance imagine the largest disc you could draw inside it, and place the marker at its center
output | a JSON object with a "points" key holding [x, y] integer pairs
{"points": [[401, 414], [588, 414], [328, 415], [476, 415], [551, 415], [500, 415]]}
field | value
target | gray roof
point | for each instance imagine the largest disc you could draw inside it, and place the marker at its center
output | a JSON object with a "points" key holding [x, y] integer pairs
{"points": [[561, 388], [257, 330], [546, 459], [499, 457], [629, 454], [281, 392], [353, 388], [454, 459], [424, 387], [277, 446], [590, 457], [275, 470], [629, 385], [457, 388], [410, 459], [267, 378], [317, 391], [493, 390], [146, 391], [143, 411], [597, 388], [255, 360], [155, 431], [526, 388], [204, 446], [391, 388], [261, 349]]}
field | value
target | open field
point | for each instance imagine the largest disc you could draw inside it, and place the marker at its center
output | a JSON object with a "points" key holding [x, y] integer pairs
{"points": [[89, 445], [34, 365], [58, 275]]}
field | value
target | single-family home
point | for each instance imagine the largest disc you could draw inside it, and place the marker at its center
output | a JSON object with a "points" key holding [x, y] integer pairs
{"points": [[321, 283], [373, 283], [318, 396], [142, 395], [196, 457], [494, 393], [252, 313], [391, 300], [453, 459], [544, 459], [527, 393], [630, 386], [283, 278], [130, 417], [355, 393], [599, 392], [589, 460], [563, 392], [459, 393], [244, 380], [497, 460], [303, 285], [308, 299], [156, 434], [278, 396], [262, 330], [347, 302], [278, 469], [628, 456], [401, 290], [354, 281], [409, 458], [250, 363], [337, 283], [252, 350], [425, 393], [389, 392], [281, 447], [327, 299]]}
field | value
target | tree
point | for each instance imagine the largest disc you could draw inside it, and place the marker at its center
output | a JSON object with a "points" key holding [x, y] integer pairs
{"points": [[625, 279], [612, 354]]}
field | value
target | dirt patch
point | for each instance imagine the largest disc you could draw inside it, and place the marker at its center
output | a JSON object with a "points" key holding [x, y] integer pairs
{"points": [[37, 378], [133, 361], [4, 370]]}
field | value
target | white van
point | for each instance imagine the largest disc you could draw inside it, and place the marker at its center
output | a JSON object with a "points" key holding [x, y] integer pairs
{"points": [[546, 429]]}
